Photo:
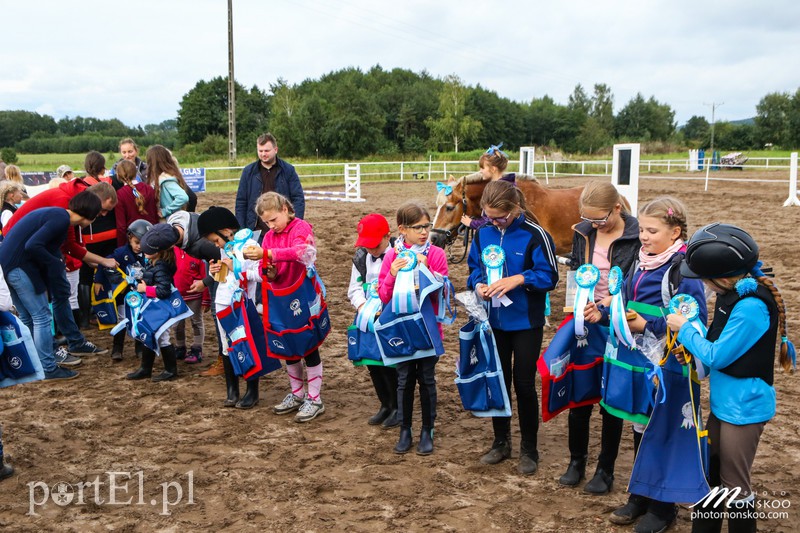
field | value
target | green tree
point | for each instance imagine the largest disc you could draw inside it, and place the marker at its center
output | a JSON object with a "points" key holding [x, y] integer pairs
{"points": [[772, 119], [16, 126], [9, 155], [697, 128], [545, 116], [592, 136], [503, 120], [453, 126], [645, 120], [203, 111], [603, 107]]}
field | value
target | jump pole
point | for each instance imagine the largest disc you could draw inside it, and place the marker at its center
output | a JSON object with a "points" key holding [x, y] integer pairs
{"points": [[792, 200], [352, 187]]}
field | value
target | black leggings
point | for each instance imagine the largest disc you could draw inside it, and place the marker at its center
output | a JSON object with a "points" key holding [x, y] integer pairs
{"points": [[409, 373], [311, 359], [610, 436], [523, 347]]}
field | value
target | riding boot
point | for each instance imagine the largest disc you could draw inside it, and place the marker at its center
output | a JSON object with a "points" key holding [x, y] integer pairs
{"points": [[576, 471], [404, 442], [119, 343], [231, 384], [390, 377], [250, 398], [146, 365], [84, 305], [383, 395], [170, 364], [425, 445], [6, 470]]}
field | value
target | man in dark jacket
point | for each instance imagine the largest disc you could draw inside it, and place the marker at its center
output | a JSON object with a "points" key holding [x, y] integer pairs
{"points": [[269, 173]]}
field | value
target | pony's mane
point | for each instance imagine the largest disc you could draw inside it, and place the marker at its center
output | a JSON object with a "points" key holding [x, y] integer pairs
{"points": [[477, 178]]}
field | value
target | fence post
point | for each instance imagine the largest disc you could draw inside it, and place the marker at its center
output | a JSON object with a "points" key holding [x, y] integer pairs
{"points": [[583, 168], [401, 171], [444, 172]]}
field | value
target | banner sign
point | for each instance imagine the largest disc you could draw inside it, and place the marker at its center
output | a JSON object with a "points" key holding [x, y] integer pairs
{"points": [[195, 178]]}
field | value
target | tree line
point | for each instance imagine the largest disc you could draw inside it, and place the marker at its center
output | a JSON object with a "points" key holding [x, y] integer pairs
{"points": [[349, 113]]}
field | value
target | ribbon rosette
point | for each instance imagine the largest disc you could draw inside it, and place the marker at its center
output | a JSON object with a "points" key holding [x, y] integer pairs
{"points": [[619, 322], [686, 305], [134, 301], [404, 298], [365, 320], [448, 190], [493, 257], [586, 277]]}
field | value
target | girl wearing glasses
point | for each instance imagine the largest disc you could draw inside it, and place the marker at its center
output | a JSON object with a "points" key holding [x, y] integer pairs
{"points": [[607, 236], [516, 289], [653, 281], [493, 164], [413, 224]]}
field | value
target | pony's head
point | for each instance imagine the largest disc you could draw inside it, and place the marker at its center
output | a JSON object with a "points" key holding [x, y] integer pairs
{"points": [[449, 208]]}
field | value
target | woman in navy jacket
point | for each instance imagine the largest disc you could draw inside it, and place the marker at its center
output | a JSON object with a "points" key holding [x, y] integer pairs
{"points": [[526, 274]]}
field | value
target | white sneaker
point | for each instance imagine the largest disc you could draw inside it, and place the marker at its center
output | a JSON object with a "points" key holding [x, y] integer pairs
{"points": [[289, 404], [309, 411]]}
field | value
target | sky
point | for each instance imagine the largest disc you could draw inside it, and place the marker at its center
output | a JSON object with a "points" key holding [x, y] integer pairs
{"points": [[135, 60]]}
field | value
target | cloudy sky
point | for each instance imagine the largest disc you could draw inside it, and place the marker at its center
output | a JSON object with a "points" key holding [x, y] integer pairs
{"points": [[134, 60]]}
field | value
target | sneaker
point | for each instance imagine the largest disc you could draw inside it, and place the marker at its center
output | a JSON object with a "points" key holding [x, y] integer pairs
{"points": [[195, 356], [289, 404], [309, 411], [64, 358], [88, 348], [61, 374], [180, 353]]}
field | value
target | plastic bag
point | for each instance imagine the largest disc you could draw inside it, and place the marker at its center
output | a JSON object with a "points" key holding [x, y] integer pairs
{"points": [[476, 307], [651, 346]]}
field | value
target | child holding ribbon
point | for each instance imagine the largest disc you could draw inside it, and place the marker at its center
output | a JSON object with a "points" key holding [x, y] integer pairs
{"points": [[396, 284], [287, 256], [219, 225], [371, 247], [512, 265], [608, 236], [630, 370], [157, 282], [739, 350], [492, 164]]}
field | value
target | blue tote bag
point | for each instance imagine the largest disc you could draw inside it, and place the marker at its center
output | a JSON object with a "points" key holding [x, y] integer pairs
{"points": [[479, 373]]}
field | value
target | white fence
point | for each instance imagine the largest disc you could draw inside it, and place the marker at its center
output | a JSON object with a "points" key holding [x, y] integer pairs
{"points": [[333, 173]]}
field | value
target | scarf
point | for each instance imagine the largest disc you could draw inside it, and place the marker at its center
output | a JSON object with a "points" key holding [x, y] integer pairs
{"points": [[652, 262]]}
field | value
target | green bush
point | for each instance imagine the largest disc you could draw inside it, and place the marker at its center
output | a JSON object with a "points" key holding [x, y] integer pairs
{"points": [[9, 155]]}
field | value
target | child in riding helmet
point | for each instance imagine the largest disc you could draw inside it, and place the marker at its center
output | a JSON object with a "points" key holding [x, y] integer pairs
{"points": [[130, 260], [219, 225], [739, 350]]}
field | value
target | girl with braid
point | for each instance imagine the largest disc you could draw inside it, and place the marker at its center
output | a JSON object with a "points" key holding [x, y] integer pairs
{"points": [[135, 200], [739, 350]]}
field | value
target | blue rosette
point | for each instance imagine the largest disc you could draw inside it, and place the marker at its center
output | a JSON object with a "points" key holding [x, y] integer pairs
{"points": [[404, 297], [586, 278], [618, 320], [493, 258], [687, 306]]}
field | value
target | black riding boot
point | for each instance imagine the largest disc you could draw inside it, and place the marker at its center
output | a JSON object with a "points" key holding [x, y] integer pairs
{"points": [[231, 383], [170, 364], [425, 445], [146, 365], [119, 343], [576, 471], [375, 373], [6, 470], [404, 442], [84, 305], [250, 398]]}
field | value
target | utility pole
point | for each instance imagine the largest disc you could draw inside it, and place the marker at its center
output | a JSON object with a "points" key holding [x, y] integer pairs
{"points": [[231, 90], [714, 106]]}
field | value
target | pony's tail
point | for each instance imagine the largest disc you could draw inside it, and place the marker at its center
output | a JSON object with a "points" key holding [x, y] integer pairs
{"points": [[788, 357]]}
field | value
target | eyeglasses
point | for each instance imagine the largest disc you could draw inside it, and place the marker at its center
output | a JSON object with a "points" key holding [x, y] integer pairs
{"points": [[421, 227], [500, 220], [598, 221]]}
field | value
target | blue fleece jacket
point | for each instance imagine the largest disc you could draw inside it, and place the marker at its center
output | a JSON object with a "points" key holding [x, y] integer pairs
{"points": [[287, 183], [529, 251]]}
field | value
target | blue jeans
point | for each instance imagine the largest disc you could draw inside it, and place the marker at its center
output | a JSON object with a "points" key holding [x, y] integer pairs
{"points": [[34, 311], [62, 312]]}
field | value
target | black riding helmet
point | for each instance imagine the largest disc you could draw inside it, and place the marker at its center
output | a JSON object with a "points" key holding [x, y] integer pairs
{"points": [[139, 227], [214, 219], [719, 251]]}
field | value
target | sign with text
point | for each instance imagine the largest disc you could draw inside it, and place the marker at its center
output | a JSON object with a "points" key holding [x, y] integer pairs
{"points": [[195, 178]]}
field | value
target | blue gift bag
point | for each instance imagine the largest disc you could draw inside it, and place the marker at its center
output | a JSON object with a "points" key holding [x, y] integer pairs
{"points": [[247, 345], [479, 372], [19, 361], [149, 320]]}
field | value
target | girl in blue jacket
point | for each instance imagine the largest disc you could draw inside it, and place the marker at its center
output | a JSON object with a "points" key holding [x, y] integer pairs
{"points": [[739, 350], [512, 265], [166, 179]]}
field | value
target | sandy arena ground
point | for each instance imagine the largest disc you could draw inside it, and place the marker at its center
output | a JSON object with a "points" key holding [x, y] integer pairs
{"points": [[256, 471]]}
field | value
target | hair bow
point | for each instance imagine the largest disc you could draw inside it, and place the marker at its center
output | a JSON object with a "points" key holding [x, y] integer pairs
{"points": [[448, 190], [496, 148]]}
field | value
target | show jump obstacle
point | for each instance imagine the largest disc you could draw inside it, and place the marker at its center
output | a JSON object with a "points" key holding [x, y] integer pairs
{"points": [[625, 172], [792, 200], [352, 187]]}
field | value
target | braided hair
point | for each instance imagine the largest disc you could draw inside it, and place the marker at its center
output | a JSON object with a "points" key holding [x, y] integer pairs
{"points": [[787, 348], [126, 171]]}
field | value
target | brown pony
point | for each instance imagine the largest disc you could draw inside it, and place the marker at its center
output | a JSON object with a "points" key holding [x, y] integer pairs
{"points": [[556, 210]]}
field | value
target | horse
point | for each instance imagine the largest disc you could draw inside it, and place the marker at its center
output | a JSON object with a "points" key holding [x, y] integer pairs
{"points": [[556, 210]]}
